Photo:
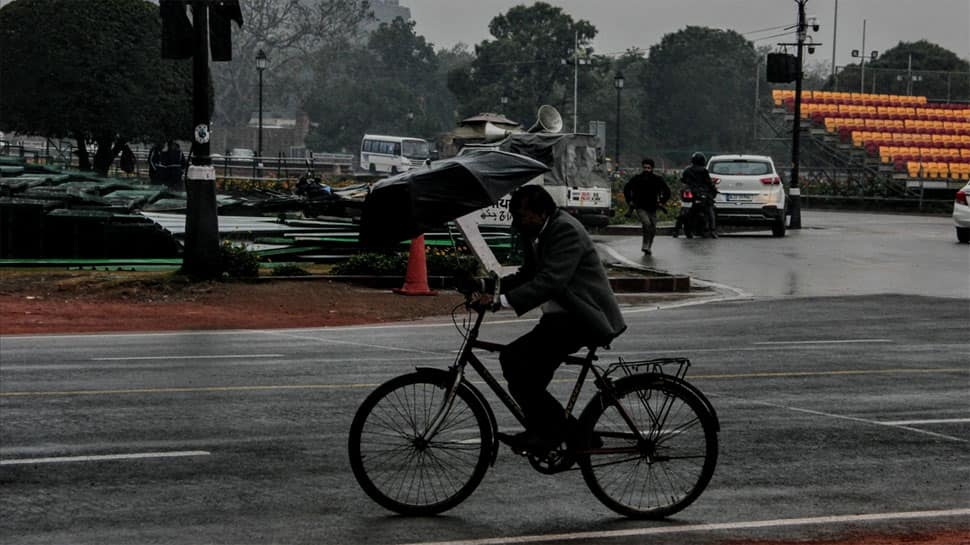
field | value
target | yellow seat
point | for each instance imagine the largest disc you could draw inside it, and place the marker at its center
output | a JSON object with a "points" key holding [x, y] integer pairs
{"points": [[913, 168]]}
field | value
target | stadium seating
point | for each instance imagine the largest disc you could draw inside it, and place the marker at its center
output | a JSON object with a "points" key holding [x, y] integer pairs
{"points": [[917, 137]]}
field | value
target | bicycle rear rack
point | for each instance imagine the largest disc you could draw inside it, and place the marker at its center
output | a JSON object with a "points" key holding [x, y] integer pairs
{"points": [[651, 366]]}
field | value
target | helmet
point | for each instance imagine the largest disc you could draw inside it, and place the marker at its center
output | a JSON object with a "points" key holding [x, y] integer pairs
{"points": [[698, 159]]}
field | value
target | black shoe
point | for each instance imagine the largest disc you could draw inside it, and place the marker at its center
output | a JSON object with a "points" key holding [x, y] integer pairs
{"points": [[675, 234], [527, 442], [647, 252], [713, 234]]}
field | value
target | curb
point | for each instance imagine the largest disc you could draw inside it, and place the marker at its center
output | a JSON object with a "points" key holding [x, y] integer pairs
{"points": [[621, 284]]}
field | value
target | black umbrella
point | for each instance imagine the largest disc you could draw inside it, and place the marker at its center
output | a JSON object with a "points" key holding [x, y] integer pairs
{"points": [[405, 206]]}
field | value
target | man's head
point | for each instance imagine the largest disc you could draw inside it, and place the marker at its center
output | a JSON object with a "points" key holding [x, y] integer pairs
{"points": [[698, 159], [531, 206], [647, 165]]}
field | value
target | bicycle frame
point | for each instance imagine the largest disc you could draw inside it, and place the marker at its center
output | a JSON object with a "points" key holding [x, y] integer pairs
{"points": [[466, 356]]}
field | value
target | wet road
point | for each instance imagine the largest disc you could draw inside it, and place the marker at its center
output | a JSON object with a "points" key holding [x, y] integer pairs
{"points": [[839, 416], [835, 253]]}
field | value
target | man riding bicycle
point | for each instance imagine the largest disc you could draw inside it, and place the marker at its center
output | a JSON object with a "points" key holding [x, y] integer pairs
{"points": [[563, 273]]}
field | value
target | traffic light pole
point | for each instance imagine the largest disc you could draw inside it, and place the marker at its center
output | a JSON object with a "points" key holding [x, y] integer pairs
{"points": [[201, 256]]}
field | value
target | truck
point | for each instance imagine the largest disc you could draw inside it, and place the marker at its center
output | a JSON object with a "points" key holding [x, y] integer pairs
{"points": [[577, 180]]}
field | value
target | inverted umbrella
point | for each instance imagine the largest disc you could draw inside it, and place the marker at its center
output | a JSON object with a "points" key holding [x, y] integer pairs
{"points": [[405, 206]]}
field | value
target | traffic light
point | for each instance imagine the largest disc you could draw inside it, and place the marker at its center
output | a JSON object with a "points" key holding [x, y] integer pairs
{"points": [[782, 68], [178, 41], [178, 37], [221, 15]]}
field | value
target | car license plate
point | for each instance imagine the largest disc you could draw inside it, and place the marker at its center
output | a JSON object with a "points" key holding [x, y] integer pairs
{"points": [[736, 197]]}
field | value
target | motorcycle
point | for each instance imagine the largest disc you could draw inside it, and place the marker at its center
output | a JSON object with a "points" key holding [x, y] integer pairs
{"points": [[320, 199], [693, 213]]}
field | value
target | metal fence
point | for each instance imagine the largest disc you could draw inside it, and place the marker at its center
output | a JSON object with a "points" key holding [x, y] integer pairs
{"points": [[61, 154], [935, 85]]}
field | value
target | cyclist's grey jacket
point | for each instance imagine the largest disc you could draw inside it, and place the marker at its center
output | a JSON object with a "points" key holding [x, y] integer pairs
{"points": [[565, 270]]}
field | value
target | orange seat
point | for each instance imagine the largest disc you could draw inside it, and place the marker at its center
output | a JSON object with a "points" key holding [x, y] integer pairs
{"points": [[913, 169]]}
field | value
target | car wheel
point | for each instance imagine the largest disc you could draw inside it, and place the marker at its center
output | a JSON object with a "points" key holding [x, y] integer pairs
{"points": [[963, 235], [778, 226]]}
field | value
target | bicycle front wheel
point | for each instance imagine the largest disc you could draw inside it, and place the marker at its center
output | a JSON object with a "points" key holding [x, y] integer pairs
{"points": [[651, 451], [402, 468]]}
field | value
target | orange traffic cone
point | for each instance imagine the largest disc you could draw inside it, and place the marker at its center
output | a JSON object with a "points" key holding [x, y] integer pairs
{"points": [[416, 279]]}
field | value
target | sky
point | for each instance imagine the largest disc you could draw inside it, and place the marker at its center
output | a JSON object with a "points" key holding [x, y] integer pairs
{"points": [[622, 24]]}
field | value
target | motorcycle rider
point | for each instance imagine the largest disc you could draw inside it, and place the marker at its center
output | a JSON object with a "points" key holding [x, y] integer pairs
{"points": [[698, 180]]}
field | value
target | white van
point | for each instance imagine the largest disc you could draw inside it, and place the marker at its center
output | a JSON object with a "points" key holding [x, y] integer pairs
{"points": [[392, 154]]}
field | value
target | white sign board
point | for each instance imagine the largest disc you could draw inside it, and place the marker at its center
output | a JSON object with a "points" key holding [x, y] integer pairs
{"points": [[497, 214]]}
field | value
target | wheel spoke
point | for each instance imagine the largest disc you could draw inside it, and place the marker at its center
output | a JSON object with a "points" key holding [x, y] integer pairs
{"points": [[663, 463], [402, 469]]}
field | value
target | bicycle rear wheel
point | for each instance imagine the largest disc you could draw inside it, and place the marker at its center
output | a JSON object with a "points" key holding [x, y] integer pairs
{"points": [[665, 464], [406, 472]]}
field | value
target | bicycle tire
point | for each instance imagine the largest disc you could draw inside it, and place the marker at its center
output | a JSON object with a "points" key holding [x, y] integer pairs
{"points": [[667, 470], [405, 474]]}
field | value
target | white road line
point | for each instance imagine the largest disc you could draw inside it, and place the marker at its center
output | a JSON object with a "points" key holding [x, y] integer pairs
{"points": [[829, 341], [103, 457], [352, 343], [856, 419], [198, 357], [714, 527], [925, 422]]}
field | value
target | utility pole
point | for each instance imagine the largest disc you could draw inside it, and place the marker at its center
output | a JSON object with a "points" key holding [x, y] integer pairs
{"points": [[576, 60], [862, 61], [576, 81], [794, 191], [835, 26]]}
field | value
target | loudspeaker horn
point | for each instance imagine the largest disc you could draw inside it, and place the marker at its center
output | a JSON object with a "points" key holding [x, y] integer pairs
{"points": [[493, 132], [548, 120]]}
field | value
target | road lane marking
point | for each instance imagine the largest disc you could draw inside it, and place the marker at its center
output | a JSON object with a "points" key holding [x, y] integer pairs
{"points": [[190, 390], [357, 386], [713, 527], [853, 419], [198, 357], [829, 341], [353, 343], [928, 422], [103, 457]]}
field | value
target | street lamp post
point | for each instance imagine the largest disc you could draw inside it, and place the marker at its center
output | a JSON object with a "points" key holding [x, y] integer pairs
{"points": [[861, 55], [618, 84], [261, 62]]}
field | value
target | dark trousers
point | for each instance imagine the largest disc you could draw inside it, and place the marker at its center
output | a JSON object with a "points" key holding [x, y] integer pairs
{"points": [[529, 363]]}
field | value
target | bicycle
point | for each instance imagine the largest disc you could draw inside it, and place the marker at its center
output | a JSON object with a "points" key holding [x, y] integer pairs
{"points": [[646, 443]]}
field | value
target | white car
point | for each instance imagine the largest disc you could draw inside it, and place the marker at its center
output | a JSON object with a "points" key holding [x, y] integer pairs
{"points": [[961, 215], [750, 192]]}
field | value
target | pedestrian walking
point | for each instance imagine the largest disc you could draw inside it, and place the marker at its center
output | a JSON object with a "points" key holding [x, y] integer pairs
{"points": [[645, 193]]}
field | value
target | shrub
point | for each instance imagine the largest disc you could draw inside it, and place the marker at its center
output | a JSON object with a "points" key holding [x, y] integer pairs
{"points": [[449, 262], [237, 262], [289, 270]]}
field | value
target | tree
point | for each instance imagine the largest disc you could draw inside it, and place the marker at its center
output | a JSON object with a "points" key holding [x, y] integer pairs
{"points": [[392, 86], [293, 34], [524, 62], [699, 89], [94, 73]]}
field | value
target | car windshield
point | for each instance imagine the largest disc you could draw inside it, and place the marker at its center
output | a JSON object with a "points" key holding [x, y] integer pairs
{"points": [[740, 168], [416, 149]]}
